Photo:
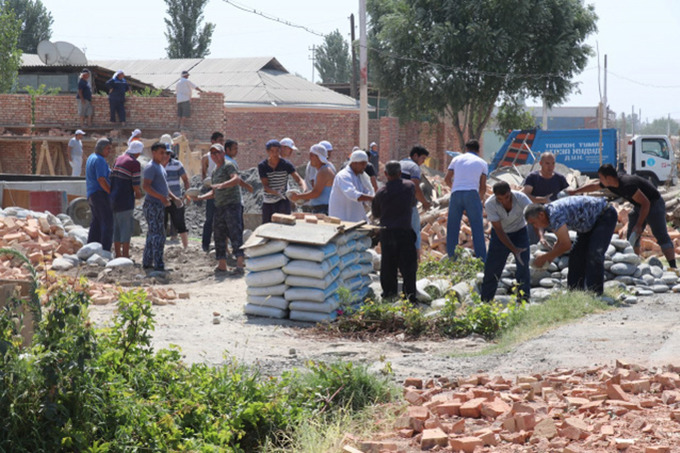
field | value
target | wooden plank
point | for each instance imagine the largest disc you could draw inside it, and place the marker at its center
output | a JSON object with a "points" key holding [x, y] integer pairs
{"points": [[14, 197], [41, 158], [301, 233], [50, 164]]}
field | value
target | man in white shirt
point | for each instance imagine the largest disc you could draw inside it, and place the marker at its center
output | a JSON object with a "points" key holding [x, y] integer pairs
{"points": [[351, 187], [183, 90], [505, 211], [75, 153], [467, 179]]}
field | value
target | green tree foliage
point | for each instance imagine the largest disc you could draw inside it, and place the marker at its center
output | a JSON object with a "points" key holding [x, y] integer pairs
{"points": [[36, 22], [185, 37], [454, 58], [332, 59], [10, 54], [660, 126], [512, 115]]}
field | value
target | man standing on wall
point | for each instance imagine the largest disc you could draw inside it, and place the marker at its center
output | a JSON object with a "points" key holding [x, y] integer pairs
{"points": [[183, 90], [84, 99], [75, 153], [97, 173], [118, 88]]}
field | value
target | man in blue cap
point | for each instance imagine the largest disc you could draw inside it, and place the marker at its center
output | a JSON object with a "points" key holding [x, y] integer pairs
{"points": [[274, 172]]}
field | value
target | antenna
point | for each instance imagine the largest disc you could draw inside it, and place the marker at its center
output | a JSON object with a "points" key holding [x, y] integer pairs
{"points": [[61, 53], [47, 52]]}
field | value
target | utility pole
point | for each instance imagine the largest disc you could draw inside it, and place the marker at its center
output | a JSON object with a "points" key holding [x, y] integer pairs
{"points": [[632, 119], [353, 82], [604, 101], [668, 125], [363, 75], [313, 58]]}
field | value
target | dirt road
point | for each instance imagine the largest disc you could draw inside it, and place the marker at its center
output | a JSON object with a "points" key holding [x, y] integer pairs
{"points": [[647, 333]]}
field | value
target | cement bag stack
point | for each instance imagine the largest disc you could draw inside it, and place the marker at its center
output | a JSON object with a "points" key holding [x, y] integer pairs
{"points": [[312, 282], [265, 280], [356, 263]]}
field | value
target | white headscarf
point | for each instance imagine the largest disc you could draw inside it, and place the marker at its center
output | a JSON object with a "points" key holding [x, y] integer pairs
{"points": [[135, 133]]}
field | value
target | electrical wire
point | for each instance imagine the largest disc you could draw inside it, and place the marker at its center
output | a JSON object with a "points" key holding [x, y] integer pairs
{"points": [[272, 18]]}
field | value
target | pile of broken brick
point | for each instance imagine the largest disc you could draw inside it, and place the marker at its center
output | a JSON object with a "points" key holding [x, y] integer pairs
{"points": [[594, 410]]}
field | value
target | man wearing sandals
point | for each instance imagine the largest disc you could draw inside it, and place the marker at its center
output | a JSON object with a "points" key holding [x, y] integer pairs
{"points": [[228, 218]]}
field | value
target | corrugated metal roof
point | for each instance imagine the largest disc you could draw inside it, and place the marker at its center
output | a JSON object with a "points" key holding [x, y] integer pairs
{"points": [[255, 81]]}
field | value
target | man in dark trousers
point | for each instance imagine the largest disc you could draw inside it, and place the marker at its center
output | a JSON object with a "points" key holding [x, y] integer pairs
{"points": [[648, 207], [393, 205]]}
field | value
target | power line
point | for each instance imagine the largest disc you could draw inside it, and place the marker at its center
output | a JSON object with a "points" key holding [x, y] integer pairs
{"points": [[272, 18], [648, 85]]}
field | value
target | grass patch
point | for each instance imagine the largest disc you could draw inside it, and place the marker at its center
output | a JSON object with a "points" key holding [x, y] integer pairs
{"points": [[535, 320]]}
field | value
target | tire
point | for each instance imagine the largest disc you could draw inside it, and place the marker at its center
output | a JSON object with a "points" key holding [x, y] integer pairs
{"points": [[79, 211]]}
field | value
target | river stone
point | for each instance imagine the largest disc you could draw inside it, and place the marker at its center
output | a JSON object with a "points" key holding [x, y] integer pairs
{"points": [[625, 279], [553, 267], [62, 264], [108, 256], [512, 267], [660, 288], [73, 258], [622, 269], [631, 258], [676, 289], [628, 249], [556, 275], [620, 244], [631, 300], [501, 291], [506, 273], [669, 278], [644, 269], [508, 282], [610, 251], [643, 292], [615, 285], [648, 279], [565, 272], [608, 265], [637, 273], [563, 262], [657, 272], [638, 281], [97, 260], [88, 250], [655, 262], [120, 262], [540, 294], [547, 282], [537, 276]]}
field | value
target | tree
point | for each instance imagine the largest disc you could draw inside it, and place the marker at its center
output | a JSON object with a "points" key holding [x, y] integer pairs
{"points": [[512, 115], [332, 59], [454, 58], [660, 126], [10, 54], [185, 40], [36, 22]]}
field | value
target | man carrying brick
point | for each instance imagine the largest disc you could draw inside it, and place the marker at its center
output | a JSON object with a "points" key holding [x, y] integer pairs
{"points": [[98, 185], [274, 173], [393, 205], [125, 188], [505, 211], [594, 220]]}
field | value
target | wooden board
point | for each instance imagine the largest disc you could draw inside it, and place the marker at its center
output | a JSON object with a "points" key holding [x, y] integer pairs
{"points": [[301, 233]]}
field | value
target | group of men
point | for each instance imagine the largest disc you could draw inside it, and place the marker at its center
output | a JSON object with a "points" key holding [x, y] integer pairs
{"points": [[519, 218]]}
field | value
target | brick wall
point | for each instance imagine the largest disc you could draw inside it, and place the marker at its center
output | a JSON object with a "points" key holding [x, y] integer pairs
{"points": [[15, 109], [15, 157]]}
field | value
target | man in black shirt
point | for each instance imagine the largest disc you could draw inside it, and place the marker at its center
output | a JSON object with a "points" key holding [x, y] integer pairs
{"points": [[648, 206], [393, 205]]}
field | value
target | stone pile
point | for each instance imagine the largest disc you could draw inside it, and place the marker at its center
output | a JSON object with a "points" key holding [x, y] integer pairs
{"points": [[598, 409]]}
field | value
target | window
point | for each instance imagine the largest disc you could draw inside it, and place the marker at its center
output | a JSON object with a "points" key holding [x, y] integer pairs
{"points": [[655, 147]]}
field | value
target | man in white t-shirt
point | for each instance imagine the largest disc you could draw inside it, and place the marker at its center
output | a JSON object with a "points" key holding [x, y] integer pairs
{"points": [[75, 152], [183, 90], [467, 178]]}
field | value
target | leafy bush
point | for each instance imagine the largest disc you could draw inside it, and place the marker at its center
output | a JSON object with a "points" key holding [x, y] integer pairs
{"points": [[462, 267], [80, 389]]}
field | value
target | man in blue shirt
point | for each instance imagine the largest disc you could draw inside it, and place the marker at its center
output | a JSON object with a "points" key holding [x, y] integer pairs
{"points": [[84, 98], [98, 185], [594, 221], [117, 87]]}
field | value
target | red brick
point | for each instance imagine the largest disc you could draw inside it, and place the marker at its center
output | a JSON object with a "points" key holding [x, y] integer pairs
{"points": [[615, 392], [495, 408], [472, 408], [413, 382], [466, 444], [432, 438]]}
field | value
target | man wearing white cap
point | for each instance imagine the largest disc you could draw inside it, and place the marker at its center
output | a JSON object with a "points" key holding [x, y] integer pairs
{"points": [[183, 91], [175, 173], [75, 153], [351, 187], [287, 147], [310, 171], [320, 193], [373, 156], [125, 188]]}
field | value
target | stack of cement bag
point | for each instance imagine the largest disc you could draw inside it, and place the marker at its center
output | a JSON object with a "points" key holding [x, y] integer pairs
{"points": [[355, 264], [266, 280]]}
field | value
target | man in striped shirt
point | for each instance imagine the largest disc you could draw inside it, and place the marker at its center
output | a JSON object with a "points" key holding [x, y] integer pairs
{"points": [[274, 172], [175, 171], [125, 187]]}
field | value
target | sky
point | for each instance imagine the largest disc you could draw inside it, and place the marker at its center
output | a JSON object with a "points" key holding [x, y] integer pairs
{"points": [[638, 37]]}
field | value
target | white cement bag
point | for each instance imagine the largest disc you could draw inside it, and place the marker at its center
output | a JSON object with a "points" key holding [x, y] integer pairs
{"points": [[276, 290], [348, 259], [266, 262], [265, 249], [312, 294], [269, 312], [269, 301], [348, 236], [309, 282], [347, 247], [366, 268], [357, 282], [265, 278], [310, 253], [350, 271], [312, 269], [365, 257], [327, 306], [310, 316], [362, 244]]}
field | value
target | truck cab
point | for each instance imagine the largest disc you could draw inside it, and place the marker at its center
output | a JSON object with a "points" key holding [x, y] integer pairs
{"points": [[652, 157]]}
